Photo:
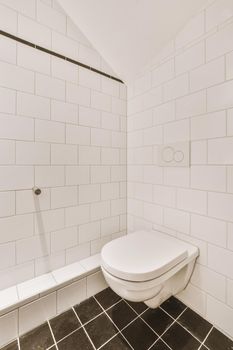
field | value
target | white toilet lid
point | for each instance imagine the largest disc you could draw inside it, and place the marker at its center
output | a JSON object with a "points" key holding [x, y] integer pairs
{"points": [[141, 256]]}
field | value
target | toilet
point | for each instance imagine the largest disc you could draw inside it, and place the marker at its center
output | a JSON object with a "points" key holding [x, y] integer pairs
{"points": [[148, 267]]}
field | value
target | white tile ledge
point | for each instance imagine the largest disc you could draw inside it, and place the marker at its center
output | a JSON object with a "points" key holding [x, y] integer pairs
{"points": [[27, 291]]}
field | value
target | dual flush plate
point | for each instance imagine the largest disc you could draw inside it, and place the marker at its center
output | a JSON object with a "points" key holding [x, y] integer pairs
{"points": [[174, 154]]}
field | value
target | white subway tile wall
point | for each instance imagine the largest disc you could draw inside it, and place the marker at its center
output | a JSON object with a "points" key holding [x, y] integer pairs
{"points": [[186, 94], [62, 128]]}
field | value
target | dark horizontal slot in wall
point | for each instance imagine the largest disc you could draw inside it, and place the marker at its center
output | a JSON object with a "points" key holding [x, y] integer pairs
{"points": [[53, 53]]}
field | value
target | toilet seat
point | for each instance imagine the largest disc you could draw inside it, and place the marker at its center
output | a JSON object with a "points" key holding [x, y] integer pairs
{"points": [[141, 256]]}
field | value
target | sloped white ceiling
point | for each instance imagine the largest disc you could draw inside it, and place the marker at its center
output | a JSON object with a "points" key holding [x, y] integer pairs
{"points": [[127, 33]]}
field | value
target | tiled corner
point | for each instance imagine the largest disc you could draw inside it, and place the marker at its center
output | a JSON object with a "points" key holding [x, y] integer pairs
{"points": [[106, 321]]}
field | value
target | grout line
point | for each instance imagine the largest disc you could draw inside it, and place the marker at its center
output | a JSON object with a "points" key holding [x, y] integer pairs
{"points": [[53, 53], [206, 338], [51, 331], [174, 321], [119, 331], [84, 329]]}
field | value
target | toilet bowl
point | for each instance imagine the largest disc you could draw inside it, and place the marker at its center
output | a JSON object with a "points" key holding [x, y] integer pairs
{"points": [[147, 266]]}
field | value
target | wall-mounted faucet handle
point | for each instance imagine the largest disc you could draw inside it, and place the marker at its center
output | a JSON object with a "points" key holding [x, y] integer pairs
{"points": [[36, 190]]}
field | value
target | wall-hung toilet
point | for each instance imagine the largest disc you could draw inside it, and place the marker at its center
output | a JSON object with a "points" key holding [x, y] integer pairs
{"points": [[147, 266]]}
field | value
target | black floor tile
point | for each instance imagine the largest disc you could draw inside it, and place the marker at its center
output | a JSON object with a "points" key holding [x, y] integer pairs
{"points": [[64, 324], [38, 338], [197, 325], [88, 309], [179, 339], [76, 341], [138, 307], [157, 319], [107, 298], [139, 335], [121, 314], [100, 330], [160, 345], [218, 341], [173, 306], [117, 343], [11, 346]]}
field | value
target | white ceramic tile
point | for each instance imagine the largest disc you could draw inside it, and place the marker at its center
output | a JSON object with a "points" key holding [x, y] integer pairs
{"points": [[71, 295], [208, 75], [68, 272], [7, 255], [164, 73], [7, 100], [33, 247], [64, 70], [89, 117], [16, 227], [33, 31], [195, 298], [77, 215], [190, 58], [50, 87], [78, 94], [199, 152], [8, 297], [212, 178], [62, 197], [35, 313], [30, 153], [32, 59], [33, 106], [89, 232], [8, 327], [95, 283], [16, 128], [89, 79], [209, 229], [220, 314], [63, 239], [78, 252], [7, 50], [64, 112], [219, 151], [219, 43], [89, 155], [220, 205], [91, 263], [7, 203], [64, 45], [49, 176], [35, 286], [77, 175], [8, 19], [89, 193], [64, 154], [209, 281], [211, 125], [110, 225], [219, 259], [191, 105], [176, 220], [220, 96]]}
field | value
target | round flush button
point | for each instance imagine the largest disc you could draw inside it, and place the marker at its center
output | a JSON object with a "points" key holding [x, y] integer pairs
{"points": [[168, 154], [178, 156]]}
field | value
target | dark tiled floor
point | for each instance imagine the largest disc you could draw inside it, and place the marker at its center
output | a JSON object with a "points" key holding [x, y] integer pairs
{"points": [[107, 322]]}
